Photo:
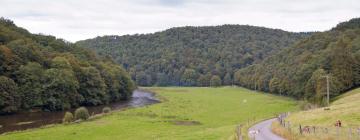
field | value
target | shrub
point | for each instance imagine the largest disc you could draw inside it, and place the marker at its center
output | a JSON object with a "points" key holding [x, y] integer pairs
{"points": [[305, 105], [106, 110], [68, 117], [215, 81], [82, 113]]}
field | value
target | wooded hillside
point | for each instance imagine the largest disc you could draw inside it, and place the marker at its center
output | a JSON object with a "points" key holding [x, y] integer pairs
{"points": [[300, 70], [192, 56], [38, 71]]}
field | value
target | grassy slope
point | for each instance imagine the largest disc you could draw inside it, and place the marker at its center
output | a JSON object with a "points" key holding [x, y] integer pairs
{"points": [[218, 110], [346, 108]]}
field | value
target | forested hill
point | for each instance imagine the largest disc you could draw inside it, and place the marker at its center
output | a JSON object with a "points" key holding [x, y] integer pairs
{"points": [[192, 56], [38, 71], [299, 70]]}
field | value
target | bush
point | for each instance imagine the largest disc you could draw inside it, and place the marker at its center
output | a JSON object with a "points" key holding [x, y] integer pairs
{"points": [[68, 117], [81, 114], [106, 110], [305, 105], [215, 81]]}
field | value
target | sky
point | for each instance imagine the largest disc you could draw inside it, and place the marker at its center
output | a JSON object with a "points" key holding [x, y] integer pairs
{"points": [[75, 20]]}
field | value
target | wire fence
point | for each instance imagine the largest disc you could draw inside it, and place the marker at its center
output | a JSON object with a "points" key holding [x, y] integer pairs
{"points": [[331, 132], [241, 129]]}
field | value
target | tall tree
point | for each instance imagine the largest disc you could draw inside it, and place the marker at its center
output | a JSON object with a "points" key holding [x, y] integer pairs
{"points": [[10, 99], [227, 79], [189, 77], [92, 87], [30, 81], [215, 81], [274, 85], [60, 86]]}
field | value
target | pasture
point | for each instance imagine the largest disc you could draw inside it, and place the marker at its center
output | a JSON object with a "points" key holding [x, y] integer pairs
{"points": [[185, 113]]}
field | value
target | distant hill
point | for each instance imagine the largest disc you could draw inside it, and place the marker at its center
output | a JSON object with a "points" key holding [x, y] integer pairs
{"points": [[192, 56], [38, 71], [300, 69]]}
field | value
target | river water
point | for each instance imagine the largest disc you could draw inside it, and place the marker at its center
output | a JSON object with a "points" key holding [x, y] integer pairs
{"points": [[26, 120]]}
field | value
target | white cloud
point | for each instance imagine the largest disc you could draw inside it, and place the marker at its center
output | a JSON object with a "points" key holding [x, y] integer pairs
{"points": [[81, 19]]}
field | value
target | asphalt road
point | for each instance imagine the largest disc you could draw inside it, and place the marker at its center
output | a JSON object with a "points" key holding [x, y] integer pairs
{"points": [[262, 131]]}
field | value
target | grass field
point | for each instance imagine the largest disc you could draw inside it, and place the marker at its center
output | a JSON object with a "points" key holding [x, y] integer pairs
{"points": [[345, 108], [185, 113]]}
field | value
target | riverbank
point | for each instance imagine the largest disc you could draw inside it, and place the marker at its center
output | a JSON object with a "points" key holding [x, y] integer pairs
{"points": [[29, 120], [185, 113]]}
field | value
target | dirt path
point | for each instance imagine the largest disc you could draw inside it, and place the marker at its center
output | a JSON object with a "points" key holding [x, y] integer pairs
{"points": [[262, 131]]}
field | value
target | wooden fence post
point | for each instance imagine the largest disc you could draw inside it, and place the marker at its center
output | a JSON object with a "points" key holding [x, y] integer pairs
{"points": [[239, 132], [350, 131], [283, 122], [300, 130], [314, 127], [289, 126]]}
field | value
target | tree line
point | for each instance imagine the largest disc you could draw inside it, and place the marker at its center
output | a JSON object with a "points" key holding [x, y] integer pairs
{"points": [[192, 56], [43, 72]]}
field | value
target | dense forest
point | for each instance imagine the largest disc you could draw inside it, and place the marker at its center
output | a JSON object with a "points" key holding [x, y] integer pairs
{"points": [[300, 70], [43, 72], [192, 56]]}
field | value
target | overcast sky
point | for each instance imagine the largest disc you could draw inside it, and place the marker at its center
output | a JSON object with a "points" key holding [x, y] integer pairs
{"points": [[76, 20]]}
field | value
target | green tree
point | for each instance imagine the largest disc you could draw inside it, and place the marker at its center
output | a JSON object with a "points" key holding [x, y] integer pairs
{"points": [[119, 84], [204, 80], [215, 81], [189, 77], [161, 79], [30, 84], [342, 64], [316, 86], [142, 79], [8, 61], [60, 63], [27, 50], [91, 86], [60, 88], [356, 68], [10, 99], [237, 77], [227, 79], [274, 85]]}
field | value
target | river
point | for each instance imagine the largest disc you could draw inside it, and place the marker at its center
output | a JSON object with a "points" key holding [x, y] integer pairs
{"points": [[27, 120]]}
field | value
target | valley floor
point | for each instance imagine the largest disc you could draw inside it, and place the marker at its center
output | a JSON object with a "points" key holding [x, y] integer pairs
{"points": [[185, 113]]}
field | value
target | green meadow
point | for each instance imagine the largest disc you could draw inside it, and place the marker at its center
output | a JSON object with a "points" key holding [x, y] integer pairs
{"points": [[184, 113], [345, 107]]}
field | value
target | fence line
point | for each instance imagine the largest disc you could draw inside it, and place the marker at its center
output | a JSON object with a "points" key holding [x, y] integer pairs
{"points": [[338, 132], [238, 133]]}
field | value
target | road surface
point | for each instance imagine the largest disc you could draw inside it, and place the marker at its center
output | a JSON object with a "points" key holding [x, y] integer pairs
{"points": [[262, 131]]}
